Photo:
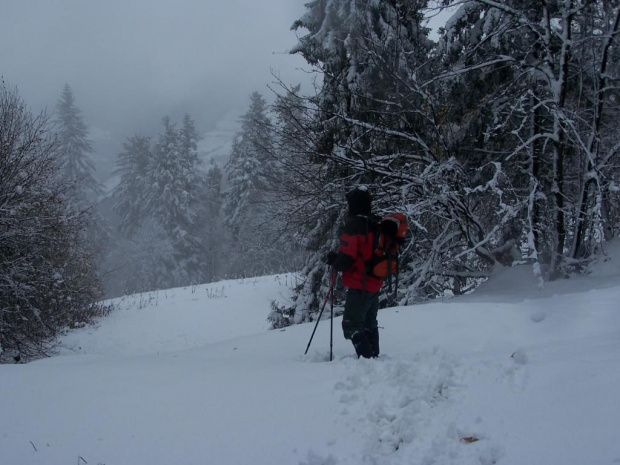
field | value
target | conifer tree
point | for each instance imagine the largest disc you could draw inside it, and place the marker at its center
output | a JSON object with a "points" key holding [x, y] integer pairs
{"points": [[163, 204], [78, 170], [174, 185], [249, 172], [248, 166], [371, 122], [129, 195], [76, 150], [211, 229], [188, 139], [499, 142]]}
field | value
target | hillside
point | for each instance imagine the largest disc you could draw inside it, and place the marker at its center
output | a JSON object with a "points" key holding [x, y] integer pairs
{"points": [[193, 376]]}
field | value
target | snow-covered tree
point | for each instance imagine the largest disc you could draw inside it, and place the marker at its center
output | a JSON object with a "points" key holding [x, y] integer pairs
{"points": [[188, 140], [213, 242], [78, 169], [538, 77], [249, 172], [172, 198], [377, 120], [129, 195], [76, 150], [487, 140], [164, 207], [141, 262], [48, 279]]}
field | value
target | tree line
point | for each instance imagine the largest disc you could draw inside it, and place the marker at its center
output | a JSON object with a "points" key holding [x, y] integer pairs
{"points": [[169, 220], [182, 223]]}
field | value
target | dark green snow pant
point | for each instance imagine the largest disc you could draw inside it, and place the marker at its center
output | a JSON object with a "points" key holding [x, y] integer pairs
{"points": [[359, 322]]}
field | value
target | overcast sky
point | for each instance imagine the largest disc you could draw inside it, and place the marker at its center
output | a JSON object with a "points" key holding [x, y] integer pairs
{"points": [[130, 62]]}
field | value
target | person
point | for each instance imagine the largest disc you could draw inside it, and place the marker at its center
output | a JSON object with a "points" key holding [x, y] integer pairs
{"points": [[359, 321]]}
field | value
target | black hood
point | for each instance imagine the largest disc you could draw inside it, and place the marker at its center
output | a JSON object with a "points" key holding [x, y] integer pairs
{"points": [[359, 202]]}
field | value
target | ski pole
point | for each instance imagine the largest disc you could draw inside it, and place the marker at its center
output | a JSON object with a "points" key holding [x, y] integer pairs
{"points": [[331, 327], [331, 290]]}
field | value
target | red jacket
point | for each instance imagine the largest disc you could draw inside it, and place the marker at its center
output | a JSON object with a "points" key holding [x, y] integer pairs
{"points": [[356, 247]]}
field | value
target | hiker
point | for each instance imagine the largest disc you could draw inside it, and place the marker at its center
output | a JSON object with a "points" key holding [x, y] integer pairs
{"points": [[359, 322]]}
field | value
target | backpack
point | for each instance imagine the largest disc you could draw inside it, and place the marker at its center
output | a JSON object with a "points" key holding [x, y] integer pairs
{"points": [[390, 234]]}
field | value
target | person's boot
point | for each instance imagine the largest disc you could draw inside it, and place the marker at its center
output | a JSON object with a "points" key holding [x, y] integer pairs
{"points": [[361, 344], [373, 339]]}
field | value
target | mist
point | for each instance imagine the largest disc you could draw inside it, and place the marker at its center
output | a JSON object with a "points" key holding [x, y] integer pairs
{"points": [[131, 63]]}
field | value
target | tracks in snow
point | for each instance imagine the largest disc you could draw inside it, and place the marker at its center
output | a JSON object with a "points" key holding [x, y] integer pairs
{"points": [[411, 410]]}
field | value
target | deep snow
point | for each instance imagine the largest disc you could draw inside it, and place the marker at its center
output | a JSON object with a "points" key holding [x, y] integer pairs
{"points": [[193, 376]]}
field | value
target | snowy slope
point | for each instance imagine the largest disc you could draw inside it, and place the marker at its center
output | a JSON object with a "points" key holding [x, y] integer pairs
{"points": [[192, 376], [216, 143]]}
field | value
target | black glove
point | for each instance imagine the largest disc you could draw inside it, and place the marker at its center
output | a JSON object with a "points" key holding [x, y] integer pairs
{"points": [[331, 258]]}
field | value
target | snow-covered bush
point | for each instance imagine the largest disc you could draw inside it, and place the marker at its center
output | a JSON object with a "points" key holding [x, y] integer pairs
{"points": [[48, 279]]}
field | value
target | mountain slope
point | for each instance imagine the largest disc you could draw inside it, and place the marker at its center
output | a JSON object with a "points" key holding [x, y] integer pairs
{"points": [[193, 376]]}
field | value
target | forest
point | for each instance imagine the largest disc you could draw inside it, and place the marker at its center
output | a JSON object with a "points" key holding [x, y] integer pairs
{"points": [[499, 141]]}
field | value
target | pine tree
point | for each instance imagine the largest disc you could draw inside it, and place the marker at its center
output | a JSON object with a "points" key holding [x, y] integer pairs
{"points": [[163, 204], [78, 170], [248, 166], [499, 141], [372, 122], [212, 233], [132, 168], [188, 139], [250, 171], [174, 185], [76, 149]]}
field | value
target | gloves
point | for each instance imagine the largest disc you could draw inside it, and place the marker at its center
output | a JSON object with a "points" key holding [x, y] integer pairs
{"points": [[331, 258]]}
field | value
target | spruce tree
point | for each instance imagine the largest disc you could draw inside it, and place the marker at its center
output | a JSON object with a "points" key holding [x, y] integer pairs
{"points": [[172, 198], [499, 141], [77, 167], [249, 172], [212, 235], [78, 170], [129, 194]]}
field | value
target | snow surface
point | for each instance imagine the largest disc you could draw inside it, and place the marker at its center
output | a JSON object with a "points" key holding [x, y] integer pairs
{"points": [[193, 376], [217, 143]]}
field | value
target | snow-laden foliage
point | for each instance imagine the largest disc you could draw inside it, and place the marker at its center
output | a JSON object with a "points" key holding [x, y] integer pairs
{"points": [[250, 204], [174, 184], [131, 167], [498, 142], [77, 169], [48, 280], [539, 80], [75, 151], [164, 204]]}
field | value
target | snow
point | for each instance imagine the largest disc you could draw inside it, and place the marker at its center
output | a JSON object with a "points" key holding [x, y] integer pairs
{"points": [[193, 376], [217, 142]]}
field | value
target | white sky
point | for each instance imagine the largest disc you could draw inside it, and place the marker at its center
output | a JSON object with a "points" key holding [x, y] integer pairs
{"points": [[130, 62]]}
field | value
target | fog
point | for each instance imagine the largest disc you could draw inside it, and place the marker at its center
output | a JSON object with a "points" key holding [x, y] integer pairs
{"points": [[130, 62]]}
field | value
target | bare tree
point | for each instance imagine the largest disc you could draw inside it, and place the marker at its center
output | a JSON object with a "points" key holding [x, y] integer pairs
{"points": [[48, 280]]}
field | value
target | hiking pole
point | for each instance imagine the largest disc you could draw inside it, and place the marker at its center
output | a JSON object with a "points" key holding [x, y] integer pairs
{"points": [[330, 292], [331, 326]]}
